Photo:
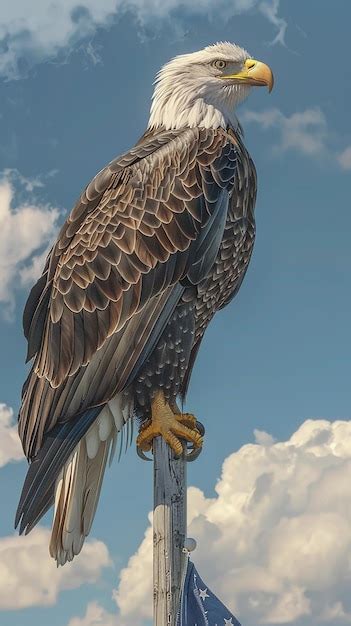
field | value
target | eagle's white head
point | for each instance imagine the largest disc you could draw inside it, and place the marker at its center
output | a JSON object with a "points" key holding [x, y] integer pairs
{"points": [[203, 88]]}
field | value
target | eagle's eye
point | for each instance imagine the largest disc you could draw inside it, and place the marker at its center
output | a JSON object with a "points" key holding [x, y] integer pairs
{"points": [[219, 64]]}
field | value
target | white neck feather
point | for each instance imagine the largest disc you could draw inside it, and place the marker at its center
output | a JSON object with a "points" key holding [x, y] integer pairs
{"points": [[179, 102]]}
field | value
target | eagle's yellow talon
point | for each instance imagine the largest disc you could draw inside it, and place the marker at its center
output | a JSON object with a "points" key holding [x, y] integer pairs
{"points": [[171, 426]]}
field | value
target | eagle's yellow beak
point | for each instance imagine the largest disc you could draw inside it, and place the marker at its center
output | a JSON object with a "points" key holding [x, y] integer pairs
{"points": [[255, 73]]}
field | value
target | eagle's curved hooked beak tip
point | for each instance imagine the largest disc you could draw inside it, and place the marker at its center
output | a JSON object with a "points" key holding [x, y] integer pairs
{"points": [[255, 73]]}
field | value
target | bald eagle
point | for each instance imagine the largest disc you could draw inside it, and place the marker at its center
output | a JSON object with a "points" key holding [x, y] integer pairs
{"points": [[158, 241]]}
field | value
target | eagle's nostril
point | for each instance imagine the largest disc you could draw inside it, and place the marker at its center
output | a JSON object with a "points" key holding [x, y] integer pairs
{"points": [[250, 63]]}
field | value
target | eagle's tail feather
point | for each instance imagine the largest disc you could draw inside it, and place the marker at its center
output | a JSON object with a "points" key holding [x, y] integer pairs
{"points": [[79, 483], [76, 497]]}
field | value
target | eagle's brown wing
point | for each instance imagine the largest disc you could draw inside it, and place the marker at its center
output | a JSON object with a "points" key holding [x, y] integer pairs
{"points": [[147, 226], [147, 223]]}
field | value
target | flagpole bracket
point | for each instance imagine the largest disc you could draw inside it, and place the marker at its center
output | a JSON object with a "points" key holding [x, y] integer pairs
{"points": [[189, 545]]}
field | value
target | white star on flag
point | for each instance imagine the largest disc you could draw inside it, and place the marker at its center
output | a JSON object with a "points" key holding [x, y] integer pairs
{"points": [[203, 594], [228, 621]]}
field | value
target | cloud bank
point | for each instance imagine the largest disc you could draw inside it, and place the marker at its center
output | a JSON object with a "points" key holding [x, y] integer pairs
{"points": [[29, 577], [32, 32], [26, 230], [275, 541]]}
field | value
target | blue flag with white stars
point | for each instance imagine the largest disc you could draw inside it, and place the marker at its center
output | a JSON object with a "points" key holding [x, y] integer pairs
{"points": [[199, 606]]}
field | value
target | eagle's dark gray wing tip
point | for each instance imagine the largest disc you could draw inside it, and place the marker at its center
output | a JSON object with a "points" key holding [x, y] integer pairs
{"points": [[39, 486]]}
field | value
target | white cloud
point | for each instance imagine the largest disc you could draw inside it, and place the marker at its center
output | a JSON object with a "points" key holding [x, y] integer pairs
{"points": [[275, 542], [96, 615], [136, 606], [344, 158], [29, 577], [263, 438], [304, 131], [33, 32], [29, 273], [271, 9], [25, 229], [10, 445]]}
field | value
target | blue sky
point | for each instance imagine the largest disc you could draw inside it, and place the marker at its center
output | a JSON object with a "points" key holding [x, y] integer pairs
{"points": [[75, 87]]}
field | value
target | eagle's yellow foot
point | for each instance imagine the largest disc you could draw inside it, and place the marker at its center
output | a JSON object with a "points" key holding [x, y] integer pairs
{"points": [[171, 426]]}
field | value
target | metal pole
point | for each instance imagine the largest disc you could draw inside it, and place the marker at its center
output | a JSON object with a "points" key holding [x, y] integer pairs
{"points": [[169, 531]]}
